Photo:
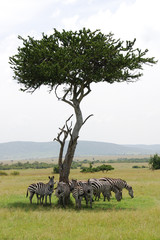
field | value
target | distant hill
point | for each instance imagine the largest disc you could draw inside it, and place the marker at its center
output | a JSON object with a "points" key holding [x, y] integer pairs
{"points": [[31, 150]]}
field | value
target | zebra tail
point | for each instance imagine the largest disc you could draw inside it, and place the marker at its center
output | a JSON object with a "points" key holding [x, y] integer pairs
{"points": [[27, 193]]}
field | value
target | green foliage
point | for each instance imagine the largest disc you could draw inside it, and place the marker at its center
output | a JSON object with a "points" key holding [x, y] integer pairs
{"points": [[76, 58], [154, 162], [56, 169], [97, 169], [75, 165], [38, 165], [27, 165], [2, 173], [15, 173], [139, 166], [129, 160]]}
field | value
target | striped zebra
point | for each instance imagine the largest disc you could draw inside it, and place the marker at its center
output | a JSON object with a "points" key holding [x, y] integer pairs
{"points": [[105, 188], [97, 187], [77, 192], [88, 191], [63, 193], [41, 189], [119, 183]]}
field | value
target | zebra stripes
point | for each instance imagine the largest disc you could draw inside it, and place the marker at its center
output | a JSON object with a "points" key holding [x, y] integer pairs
{"points": [[79, 189], [41, 189], [32, 189], [105, 188], [63, 193], [88, 191], [97, 187], [77, 193], [120, 184]]}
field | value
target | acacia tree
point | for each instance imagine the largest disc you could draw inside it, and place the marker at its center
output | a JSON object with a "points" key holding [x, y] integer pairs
{"points": [[74, 60]]}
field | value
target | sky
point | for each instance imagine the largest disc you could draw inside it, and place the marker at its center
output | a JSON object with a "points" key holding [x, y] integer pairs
{"points": [[122, 113]]}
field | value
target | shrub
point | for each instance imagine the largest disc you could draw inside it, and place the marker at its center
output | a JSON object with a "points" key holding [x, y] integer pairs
{"points": [[2, 173], [135, 167], [97, 169], [154, 162], [56, 169], [15, 173]]}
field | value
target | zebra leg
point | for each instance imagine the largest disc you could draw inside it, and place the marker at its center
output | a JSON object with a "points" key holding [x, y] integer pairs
{"points": [[64, 201], [31, 196], [50, 198], [108, 197], [104, 198], [46, 199], [38, 198], [86, 198], [41, 199], [79, 202], [90, 202], [99, 195]]}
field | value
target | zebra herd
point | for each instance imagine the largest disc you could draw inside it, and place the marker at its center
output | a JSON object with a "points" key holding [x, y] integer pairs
{"points": [[79, 189]]}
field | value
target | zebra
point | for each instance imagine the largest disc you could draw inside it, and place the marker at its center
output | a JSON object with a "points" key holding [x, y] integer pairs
{"points": [[119, 183], [88, 191], [63, 193], [105, 188], [77, 192], [41, 189], [32, 189], [97, 187]]}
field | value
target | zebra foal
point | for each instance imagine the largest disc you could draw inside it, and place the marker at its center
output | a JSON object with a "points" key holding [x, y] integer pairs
{"points": [[41, 189]]}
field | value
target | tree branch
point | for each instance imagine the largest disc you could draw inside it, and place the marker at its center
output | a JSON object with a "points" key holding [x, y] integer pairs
{"points": [[65, 130], [87, 118]]}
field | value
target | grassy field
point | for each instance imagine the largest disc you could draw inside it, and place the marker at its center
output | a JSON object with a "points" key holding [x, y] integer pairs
{"points": [[130, 219]]}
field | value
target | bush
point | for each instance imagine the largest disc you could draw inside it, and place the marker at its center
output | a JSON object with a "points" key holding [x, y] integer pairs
{"points": [[97, 169], [15, 173], [154, 162], [56, 169], [135, 166], [2, 173]]}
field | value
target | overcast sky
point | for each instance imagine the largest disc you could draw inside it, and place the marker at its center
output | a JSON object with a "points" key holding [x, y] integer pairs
{"points": [[123, 113]]}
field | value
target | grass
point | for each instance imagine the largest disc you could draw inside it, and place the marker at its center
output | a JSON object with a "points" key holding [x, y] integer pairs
{"points": [[136, 218]]}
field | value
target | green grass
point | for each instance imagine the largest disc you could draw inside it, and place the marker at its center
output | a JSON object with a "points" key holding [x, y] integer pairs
{"points": [[136, 218]]}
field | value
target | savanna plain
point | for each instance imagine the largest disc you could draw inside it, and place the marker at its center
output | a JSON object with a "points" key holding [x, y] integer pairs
{"points": [[130, 219]]}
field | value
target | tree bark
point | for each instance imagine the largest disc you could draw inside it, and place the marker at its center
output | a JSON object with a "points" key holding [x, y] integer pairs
{"points": [[65, 168]]}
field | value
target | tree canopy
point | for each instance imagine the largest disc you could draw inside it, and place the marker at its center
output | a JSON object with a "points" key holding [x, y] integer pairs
{"points": [[154, 162], [76, 58]]}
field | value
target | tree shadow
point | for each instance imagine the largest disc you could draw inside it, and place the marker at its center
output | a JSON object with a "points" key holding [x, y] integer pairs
{"points": [[96, 206]]}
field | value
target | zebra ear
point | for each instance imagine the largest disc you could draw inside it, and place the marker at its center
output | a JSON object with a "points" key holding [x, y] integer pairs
{"points": [[89, 183], [49, 177]]}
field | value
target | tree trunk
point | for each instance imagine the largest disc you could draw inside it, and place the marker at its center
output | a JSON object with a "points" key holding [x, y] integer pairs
{"points": [[65, 169]]}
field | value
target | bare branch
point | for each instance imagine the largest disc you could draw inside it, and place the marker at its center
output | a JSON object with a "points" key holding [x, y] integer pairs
{"points": [[65, 130], [65, 96], [56, 92], [82, 92], [87, 118]]}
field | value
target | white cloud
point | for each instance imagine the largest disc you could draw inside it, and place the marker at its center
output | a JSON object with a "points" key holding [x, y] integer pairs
{"points": [[69, 1], [71, 23], [56, 13]]}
